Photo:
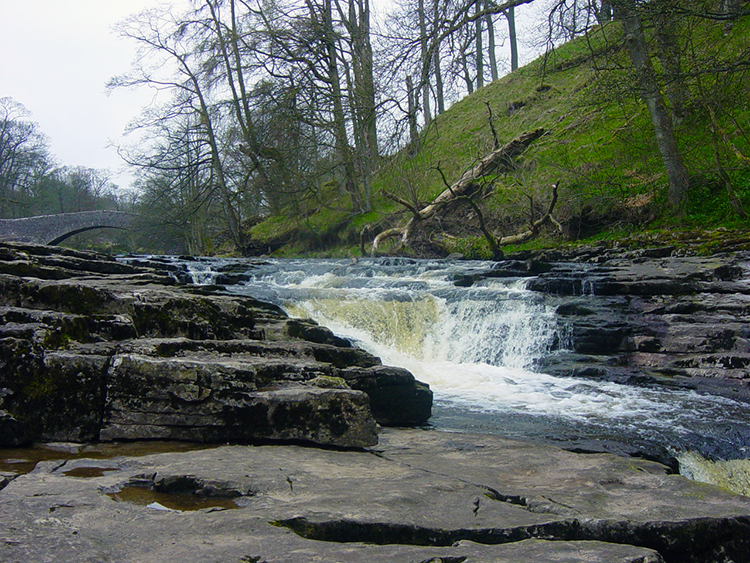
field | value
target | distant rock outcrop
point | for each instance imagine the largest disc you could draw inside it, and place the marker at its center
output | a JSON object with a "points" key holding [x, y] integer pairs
{"points": [[92, 349]]}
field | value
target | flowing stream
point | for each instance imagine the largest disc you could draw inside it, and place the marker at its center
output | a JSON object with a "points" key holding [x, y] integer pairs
{"points": [[478, 348]]}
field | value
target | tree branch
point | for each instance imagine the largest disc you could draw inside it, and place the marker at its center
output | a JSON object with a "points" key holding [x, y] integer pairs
{"points": [[498, 160]]}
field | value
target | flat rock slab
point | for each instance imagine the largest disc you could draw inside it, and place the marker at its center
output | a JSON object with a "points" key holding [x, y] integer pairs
{"points": [[418, 496]]}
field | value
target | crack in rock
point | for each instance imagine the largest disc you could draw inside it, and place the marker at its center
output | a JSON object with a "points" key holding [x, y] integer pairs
{"points": [[702, 540]]}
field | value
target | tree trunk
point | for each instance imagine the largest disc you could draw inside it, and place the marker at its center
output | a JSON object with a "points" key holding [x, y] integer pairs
{"points": [[426, 63], [412, 111], [669, 53], [660, 119], [463, 57], [510, 15], [361, 92], [436, 65], [499, 159], [236, 82], [364, 80], [480, 47], [339, 119], [233, 220], [491, 44]]}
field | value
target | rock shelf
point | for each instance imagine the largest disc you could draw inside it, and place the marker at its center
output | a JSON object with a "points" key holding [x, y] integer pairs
{"points": [[418, 496], [92, 349], [95, 350]]}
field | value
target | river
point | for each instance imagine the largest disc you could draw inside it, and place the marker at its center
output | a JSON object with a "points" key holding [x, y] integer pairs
{"points": [[479, 349]]}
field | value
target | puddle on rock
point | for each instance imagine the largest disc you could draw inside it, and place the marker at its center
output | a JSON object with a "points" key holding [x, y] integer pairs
{"points": [[178, 502], [88, 472], [23, 460]]}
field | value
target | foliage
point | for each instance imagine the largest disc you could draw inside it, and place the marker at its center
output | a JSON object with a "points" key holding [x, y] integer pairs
{"points": [[281, 132]]}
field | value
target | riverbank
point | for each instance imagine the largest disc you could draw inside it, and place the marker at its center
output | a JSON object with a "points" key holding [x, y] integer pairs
{"points": [[92, 349]]}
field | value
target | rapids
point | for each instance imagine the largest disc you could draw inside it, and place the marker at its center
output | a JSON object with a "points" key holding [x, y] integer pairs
{"points": [[479, 348]]}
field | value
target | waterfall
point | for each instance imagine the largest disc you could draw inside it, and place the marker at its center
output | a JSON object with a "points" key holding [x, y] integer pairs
{"points": [[475, 346], [202, 273], [496, 330], [479, 348]]}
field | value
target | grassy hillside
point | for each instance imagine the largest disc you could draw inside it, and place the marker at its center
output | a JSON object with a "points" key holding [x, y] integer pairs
{"points": [[599, 146]]}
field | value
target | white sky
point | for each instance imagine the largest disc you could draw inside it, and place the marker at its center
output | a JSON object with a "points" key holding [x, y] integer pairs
{"points": [[56, 57]]}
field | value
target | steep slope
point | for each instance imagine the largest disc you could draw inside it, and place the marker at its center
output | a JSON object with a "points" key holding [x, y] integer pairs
{"points": [[599, 145]]}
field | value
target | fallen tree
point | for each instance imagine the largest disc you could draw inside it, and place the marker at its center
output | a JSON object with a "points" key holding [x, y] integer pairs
{"points": [[499, 160]]}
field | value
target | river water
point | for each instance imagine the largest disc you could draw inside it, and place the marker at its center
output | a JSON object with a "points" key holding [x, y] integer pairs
{"points": [[479, 348]]}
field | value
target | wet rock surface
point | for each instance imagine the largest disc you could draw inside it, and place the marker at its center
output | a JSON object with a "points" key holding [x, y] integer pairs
{"points": [[418, 496], [650, 316], [94, 349]]}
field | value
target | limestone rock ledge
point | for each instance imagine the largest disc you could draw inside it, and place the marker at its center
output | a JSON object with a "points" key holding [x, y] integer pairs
{"points": [[650, 314], [419, 496], [92, 349]]}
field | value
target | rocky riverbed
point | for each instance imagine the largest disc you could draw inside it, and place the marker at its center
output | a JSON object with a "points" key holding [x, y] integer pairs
{"points": [[95, 350], [650, 314], [678, 320]]}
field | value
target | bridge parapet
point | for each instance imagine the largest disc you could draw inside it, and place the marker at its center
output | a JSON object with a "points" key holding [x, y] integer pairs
{"points": [[53, 229]]}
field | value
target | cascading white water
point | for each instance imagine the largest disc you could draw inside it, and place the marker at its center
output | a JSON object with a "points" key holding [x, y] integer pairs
{"points": [[475, 346], [500, 328], [478, 349]]}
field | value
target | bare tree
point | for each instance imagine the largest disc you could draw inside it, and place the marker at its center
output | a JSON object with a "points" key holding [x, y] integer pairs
{"points": [[24, 157], [174, 43], [176, 191], [449, 47], [666, 140], [510, 16]]}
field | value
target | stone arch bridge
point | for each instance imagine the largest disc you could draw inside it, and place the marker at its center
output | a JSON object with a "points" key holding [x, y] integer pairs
{"points": [[53, 229]]}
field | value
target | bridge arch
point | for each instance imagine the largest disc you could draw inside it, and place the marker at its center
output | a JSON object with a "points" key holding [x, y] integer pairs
{"points": [[53, 229]]}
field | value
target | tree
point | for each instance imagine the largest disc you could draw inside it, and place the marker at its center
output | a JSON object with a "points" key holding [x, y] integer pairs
{"points": [[500, 159], [666, 140], [177, 44], [441, 44], [24, 158], [320, 52], [510, 16], [176, 192], [70, 189]]}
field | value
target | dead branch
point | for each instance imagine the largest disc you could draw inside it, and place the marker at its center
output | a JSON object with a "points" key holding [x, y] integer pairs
{"points": [[491, 240], [497, 253], [495, 142], [390, 233], [498, 160], [403, 202], [535, 225]]}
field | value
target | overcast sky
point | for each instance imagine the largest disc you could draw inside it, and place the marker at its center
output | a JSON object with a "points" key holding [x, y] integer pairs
{"points": [[56, 58]]}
